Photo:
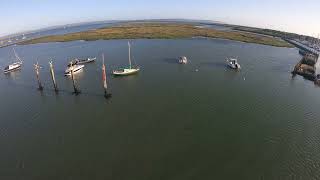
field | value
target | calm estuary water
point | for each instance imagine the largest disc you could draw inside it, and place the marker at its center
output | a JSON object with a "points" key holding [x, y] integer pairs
{"points": [[195, 121]]}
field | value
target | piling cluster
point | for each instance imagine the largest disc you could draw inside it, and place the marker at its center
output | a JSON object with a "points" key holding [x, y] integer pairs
{"points": [[76, 90]]}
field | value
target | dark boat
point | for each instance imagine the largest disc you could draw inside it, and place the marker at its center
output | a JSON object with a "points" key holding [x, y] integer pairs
{"points": [[82, 61]]}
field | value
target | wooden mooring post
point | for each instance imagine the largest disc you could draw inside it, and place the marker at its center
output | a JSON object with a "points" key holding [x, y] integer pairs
{"points": [[37, 67], [76, 91], [53, 77], [104, 79]]}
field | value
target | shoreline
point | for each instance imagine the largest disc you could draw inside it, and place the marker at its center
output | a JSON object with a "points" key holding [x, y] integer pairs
{"points": [[158, 31]]}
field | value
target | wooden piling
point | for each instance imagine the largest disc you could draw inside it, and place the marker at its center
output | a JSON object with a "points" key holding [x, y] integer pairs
{"points": [[37, 67], [53, 77], [104, 79], [76, 91]]}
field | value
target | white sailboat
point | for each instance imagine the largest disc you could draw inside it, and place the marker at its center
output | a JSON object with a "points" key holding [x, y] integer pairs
{"points": [[14, 66], [126, 71]]}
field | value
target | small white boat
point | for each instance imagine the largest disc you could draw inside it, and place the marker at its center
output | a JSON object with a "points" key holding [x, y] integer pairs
{"points": [[14, 66], [75, 69], [233, 63], [183, 60], [126, 71]]}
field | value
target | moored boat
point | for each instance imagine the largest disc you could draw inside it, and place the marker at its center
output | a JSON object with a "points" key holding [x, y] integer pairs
{"points": [[75, 69], [233, 63], [183, 60], [14, 66], [126, 71], [82, 61]]}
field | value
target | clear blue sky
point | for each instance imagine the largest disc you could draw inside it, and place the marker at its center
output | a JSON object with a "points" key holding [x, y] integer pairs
{"points": [[300, 16]]}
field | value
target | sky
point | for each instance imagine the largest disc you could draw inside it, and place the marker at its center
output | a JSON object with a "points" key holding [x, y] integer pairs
{"points": [[298, 16]]}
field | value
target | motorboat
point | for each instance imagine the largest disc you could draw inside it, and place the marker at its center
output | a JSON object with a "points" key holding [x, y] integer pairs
{"points": [[75, 69], [127, 71], [82, 61], [183, 60], [233, 63]]}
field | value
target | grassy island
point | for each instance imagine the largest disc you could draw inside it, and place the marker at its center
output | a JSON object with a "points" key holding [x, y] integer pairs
{"points": [[159, 31]]}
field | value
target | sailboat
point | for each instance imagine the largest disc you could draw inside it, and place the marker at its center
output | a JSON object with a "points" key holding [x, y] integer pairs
{"points": [[126, 71], [14, 66]]}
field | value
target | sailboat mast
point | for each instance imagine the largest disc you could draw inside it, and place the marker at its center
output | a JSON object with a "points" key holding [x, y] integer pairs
{"points": [[16, 55], [129, 54]]}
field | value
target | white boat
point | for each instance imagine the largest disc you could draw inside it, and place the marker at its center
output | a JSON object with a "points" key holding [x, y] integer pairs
{"points": [[75, 69], [233, 63], [126, 71], [183, 60], [14, 66]]}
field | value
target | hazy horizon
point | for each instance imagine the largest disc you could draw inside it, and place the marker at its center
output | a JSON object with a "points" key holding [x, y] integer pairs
{"points": [[285, 15]]}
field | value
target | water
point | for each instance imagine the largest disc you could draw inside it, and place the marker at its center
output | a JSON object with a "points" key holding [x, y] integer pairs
{"points": [[170, 121]]}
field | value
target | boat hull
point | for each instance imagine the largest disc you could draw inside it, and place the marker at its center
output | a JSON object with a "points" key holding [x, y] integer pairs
{"points": [[6, 71], [126, 72]]}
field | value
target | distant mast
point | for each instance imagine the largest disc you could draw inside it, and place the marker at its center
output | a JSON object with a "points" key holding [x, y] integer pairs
{"points": [[129, 45], [16, 55]]}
